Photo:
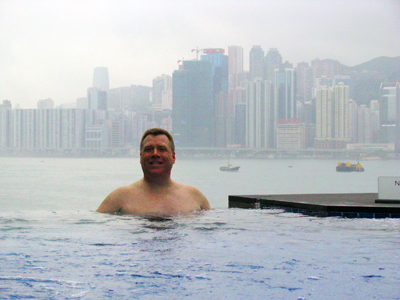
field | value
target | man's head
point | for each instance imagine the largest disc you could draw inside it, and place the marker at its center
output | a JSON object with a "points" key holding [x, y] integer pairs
{"points": [[155, 132]]}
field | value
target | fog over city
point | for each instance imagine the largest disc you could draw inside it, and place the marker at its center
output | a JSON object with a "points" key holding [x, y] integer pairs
{"points": [[48, 49]]}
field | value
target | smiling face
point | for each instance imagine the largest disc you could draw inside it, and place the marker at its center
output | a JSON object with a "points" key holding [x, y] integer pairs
{"points": [[156, 156]]}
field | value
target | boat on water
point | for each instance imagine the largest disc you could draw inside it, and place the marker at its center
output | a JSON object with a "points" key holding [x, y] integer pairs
{"points": [[229, 168], [348, 167]]}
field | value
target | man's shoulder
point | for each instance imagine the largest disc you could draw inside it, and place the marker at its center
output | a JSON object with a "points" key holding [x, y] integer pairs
{"points": [[186, 187]]}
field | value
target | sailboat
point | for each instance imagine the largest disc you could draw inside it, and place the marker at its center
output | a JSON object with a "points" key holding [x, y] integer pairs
{"points": [[229, 167]]}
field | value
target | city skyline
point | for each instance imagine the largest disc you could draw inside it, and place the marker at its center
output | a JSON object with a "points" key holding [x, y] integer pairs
{"points": [[50, 48]]}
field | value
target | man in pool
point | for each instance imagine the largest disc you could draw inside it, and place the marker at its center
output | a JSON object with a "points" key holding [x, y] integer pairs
{"points": [[156, 192]]}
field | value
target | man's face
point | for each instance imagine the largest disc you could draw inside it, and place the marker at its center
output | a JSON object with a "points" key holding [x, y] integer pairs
{"points": [[156, 156]]}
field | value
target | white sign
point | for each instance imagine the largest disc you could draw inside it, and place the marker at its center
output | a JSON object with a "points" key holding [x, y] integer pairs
{"points": [[389, 187]]}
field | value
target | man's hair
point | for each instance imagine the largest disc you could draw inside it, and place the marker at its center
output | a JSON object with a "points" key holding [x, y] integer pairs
{"points": [[158, 131]]}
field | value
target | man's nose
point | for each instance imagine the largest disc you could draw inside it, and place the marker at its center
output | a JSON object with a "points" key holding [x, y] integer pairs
{"points": [[155, 152]]}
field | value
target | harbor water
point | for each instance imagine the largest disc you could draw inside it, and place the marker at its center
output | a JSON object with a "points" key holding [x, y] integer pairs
{"points": [[55, 246]]}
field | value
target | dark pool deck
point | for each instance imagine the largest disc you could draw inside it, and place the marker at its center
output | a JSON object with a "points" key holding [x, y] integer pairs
{"points": [[363, 205]]}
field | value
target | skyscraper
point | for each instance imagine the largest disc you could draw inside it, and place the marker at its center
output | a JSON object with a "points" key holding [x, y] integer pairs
{"points": [[192, 104], [273, 60], [324, 113], [304, 82], [340, 101], [285, 94], [160, 83], [256, 62], [388, 106], [220, 66], [259, 114], [333, 116], [221, 116], [236, 74], [100, 78]]}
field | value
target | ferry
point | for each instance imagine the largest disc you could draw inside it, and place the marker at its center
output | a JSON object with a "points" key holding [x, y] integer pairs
{"points": [[348, 167]]}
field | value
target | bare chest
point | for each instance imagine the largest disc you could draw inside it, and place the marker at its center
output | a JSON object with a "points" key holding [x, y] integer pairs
{"points": [[153, 202]]}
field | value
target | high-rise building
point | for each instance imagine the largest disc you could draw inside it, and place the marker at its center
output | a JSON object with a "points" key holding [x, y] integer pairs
{"points": [[324, 113], [97, 99], [388, 105], [354, 122], [6, 105], [192, 104], [220, 68], [256, 63], [333, 116], [304, 82], [397, 145], [340, 101], [259, 114], [160, 84], [221, 112], [100, 78], [364, 133], [284, 95], [236, 73], [326, 67], [273, 60], [45, 104]]}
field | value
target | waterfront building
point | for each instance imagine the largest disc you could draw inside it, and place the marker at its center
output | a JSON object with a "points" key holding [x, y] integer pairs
{"points": [[340, 101], [324, 113], [388, 106], [397, 144], [285, 106], [364, 132], [332, 116], [240, 124], [353, 114], [259, 114], [6, 137], [96, 136], [375, 123], [291, 136], [192, 104]]}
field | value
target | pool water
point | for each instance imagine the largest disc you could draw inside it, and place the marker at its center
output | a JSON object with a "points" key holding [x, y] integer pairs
{"points": [[218, 254]]}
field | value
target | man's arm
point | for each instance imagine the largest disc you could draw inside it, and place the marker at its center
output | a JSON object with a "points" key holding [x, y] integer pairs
{"points": [[112, 203]]}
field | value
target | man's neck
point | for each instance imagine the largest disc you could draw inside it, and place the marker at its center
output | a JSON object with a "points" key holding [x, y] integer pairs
{"points": [[157, 181]]}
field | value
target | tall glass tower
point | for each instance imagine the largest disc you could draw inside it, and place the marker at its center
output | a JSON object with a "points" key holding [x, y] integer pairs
{"points": [[192, 104]]}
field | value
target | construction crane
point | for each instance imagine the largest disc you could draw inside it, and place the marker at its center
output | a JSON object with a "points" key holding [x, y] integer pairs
{"points": [[207, 50], [197, 50]]}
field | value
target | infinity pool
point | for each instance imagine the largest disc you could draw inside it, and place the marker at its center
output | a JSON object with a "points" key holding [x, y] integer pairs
{"points": [[218, 254]]}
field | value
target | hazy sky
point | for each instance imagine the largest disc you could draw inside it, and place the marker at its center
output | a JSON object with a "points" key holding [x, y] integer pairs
{"points": [[48, 49]]}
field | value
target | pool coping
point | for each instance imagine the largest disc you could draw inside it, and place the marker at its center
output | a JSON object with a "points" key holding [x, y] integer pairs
{"points": [[351, 205]]}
